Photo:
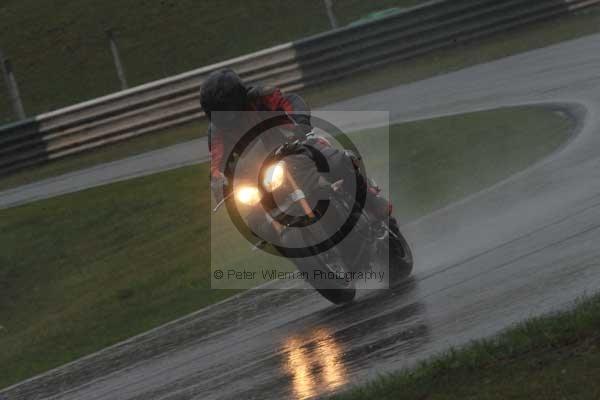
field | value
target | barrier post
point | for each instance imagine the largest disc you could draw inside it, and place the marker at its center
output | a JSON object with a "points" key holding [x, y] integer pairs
{"points": [[330, 14], [13, 87], [117, 59]]}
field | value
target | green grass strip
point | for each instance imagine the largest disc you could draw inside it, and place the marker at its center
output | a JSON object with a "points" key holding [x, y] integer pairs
{"points": [[556, 356]]}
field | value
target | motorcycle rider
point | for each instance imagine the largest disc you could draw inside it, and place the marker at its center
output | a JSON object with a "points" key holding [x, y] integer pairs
{"points": [[228, 104], [224, 95]]}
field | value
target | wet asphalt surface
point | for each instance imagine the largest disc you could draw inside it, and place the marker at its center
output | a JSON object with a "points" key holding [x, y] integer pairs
{"points": [[176, 156], [526, 246]]}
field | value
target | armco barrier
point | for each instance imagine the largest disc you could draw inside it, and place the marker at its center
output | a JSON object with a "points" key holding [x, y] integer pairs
{"points": [[291, 66]]}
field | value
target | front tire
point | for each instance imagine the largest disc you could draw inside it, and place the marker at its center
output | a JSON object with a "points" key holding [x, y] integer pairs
{"points": [[337, 291], [338, 297]]}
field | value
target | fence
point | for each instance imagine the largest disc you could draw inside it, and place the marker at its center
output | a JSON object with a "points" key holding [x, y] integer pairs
{"points": [[317, 59]]}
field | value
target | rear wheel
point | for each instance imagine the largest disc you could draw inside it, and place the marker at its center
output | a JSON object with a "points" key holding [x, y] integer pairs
{"points": [[400, 255]]}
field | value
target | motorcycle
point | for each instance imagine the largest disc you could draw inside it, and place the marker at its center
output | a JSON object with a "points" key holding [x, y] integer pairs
{"points": [[319, 222]]}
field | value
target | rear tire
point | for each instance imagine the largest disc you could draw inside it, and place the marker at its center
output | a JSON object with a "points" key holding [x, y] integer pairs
{"points": [[400, 255]]}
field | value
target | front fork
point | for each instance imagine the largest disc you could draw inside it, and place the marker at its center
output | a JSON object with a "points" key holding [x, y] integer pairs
{"points": [[301, 200]]}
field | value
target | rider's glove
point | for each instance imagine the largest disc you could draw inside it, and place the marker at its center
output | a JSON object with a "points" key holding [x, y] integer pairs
{"points": [[302, 126], [302, 132], [217, 183]]}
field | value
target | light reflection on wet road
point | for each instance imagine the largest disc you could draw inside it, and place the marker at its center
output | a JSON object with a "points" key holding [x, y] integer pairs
{"points": [[314, 363], [526, 246]]}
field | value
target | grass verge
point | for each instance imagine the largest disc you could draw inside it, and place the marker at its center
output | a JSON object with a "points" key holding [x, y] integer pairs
{"points": [[551, 357], [85, 270], [436, 162], [438, 62]]}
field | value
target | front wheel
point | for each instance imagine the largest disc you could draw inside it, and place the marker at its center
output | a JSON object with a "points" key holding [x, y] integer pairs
{"points": [[325, 272], [323, 277], [338, 296]]}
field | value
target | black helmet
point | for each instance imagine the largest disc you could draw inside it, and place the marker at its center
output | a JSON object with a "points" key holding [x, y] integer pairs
{"points": [[223, 90]]}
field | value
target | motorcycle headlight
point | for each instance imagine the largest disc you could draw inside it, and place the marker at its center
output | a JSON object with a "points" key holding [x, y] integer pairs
{"points": [[248, 195], [274, 176]]}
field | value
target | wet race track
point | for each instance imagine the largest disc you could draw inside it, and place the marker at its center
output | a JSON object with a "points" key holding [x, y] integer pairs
{"points": [[527, 245]]}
